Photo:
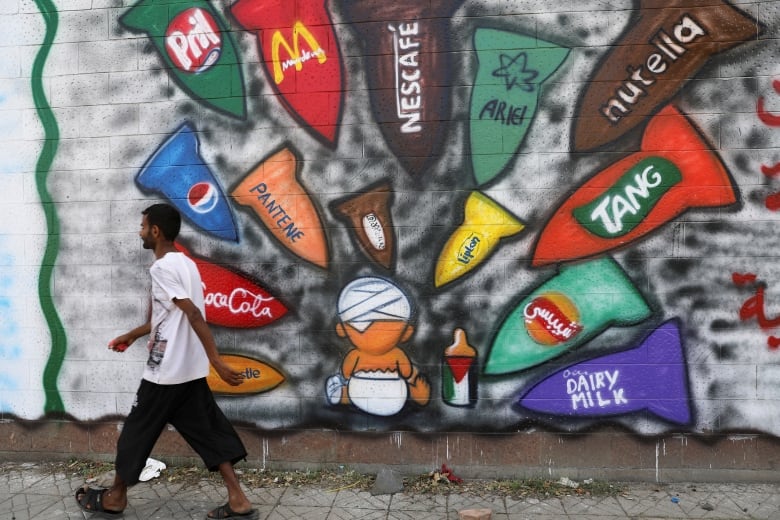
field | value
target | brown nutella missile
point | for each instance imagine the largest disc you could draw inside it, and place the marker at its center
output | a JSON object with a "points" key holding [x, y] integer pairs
{"points": [[667, 44], [369, 217], [407, 63]]}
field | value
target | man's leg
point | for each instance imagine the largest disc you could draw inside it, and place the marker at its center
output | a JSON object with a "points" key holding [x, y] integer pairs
{"points": [[115, 497], [237, 500], [206, 429], [140, 432]]}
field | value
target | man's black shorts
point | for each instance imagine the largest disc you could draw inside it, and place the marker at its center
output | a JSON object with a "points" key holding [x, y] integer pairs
{"points": [[188, 407]]}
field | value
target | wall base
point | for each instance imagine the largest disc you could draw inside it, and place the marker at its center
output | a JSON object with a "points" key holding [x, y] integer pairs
{"points": [[606, 454]]}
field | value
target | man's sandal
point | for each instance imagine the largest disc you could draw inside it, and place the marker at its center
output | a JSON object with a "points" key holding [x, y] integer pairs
{"points": [[224, 511], [91, 500]]}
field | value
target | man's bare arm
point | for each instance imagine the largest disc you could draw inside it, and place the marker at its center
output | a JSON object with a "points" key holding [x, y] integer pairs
{"points": [[201, 328]]}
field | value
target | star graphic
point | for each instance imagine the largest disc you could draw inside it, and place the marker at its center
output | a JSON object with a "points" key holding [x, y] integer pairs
{"points": [[514, 72]]}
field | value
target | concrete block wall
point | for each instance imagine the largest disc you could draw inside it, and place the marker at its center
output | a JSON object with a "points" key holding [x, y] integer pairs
{"points": [[521, 237]]}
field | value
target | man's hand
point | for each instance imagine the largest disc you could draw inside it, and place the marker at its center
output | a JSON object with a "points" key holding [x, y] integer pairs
{"points": [[118, 347], [120, 343], [228, 375]]}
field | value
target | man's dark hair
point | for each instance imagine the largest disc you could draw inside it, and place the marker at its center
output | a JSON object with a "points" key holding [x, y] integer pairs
{"points": [[165, 217]]}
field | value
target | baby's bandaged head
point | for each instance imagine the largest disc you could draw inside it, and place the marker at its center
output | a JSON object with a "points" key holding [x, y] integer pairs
{"points": [[366, 300]]}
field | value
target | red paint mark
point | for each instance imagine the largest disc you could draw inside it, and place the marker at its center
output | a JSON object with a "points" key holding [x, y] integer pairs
{"points": [[754, 308], [771, 171], [743, 278], [460, 366], [768, 118], [772, 202]]}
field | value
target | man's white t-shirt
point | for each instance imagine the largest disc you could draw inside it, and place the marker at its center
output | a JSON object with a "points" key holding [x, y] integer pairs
{"points": [[176, 355]]}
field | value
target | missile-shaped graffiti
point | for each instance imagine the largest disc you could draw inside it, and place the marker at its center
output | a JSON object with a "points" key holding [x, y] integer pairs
{"points": [[505, 96], [177, 171], [370, 221], [259, 377], [233, 299], [197, 48], [302, 60], [564, 313], [485, 223], [639, 193], [648, 65], [649, 377], [275, 195], [407, 61]]}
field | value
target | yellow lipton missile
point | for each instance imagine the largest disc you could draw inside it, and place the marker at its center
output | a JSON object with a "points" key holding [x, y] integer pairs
{"points": [[485, 222], [258, 377]]}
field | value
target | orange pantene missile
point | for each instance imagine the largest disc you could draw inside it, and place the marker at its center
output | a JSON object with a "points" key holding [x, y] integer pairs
{"points": [[272, 190]]}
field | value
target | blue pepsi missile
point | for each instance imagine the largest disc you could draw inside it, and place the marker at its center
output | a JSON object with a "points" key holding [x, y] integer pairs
{"points": [[178, 172]]}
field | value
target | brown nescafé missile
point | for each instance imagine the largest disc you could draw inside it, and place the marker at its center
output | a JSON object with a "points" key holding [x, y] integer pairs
{"points": [[407, 63]]}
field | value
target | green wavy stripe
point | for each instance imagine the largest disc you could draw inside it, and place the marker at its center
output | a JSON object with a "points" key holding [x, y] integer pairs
{"points": [[42, 169]]}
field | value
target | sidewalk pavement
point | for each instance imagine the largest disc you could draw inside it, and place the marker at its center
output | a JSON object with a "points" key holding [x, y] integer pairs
{"points": [[27, 492]]}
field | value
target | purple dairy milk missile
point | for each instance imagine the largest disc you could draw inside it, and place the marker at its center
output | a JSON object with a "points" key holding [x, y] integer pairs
{"points": [[650, 377]]}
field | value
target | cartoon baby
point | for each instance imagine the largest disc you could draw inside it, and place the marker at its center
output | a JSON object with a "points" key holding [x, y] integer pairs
{"points": [[376, 375]]}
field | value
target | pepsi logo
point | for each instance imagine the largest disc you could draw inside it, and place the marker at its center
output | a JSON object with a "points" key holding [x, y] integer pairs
{"points": [[202, 197]]}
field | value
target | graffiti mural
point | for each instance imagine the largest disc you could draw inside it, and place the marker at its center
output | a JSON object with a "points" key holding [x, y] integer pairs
{"points": [[301, 57], [197, 49], [650, 377], [273, 192], [369, 217], [638, 193], [505, 95], [409, 73], [484, 224], [646, 67], [177, 171], [420, 216], [564, 313], [376, 375], [258, 377]]}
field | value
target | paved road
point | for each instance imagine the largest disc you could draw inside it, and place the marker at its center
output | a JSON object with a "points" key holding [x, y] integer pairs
{"points": [[29, 493]]}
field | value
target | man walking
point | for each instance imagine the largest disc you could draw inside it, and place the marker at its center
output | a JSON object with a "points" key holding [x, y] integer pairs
{"points": [[174, 389]]}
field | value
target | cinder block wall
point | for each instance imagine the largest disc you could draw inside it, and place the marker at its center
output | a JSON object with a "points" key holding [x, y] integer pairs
{"points": [[517, 237], [607, 454]]}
